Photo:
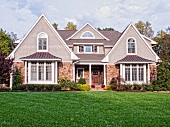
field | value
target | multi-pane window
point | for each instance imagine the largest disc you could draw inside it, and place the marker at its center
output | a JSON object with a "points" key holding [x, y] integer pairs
{"points": [[134, 72], [48, 71], [42, 42], [127, 72], [141, 73], [80, 73], [87, 34], [41, 71], [131, 45], [33, 71], [88, 48]]}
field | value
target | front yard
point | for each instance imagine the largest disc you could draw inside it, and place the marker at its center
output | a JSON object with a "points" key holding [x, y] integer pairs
{"points": [[84, 109]]}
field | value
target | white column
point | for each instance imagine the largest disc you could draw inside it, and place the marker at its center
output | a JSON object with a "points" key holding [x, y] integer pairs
{"points": [[56, 72], [25, 72], [53, 72], [44, 71], [148, 73], [37, 71], [144, 73], [121, 71], [11, 77], [73, 72], [104, 74], [90, 74]]}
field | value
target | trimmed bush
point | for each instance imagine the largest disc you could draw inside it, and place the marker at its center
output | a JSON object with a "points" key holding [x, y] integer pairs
{"points": [[149, 87], [82, 81], [5, 89], [157, 88], [84, 87], [163, 89], [111, 87]]}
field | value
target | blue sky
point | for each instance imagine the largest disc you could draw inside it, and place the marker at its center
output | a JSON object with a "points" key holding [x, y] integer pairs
{"points": [[19, 15]]}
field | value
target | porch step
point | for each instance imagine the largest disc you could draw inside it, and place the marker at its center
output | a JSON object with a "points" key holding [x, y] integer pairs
{"points": [[97, 88]]}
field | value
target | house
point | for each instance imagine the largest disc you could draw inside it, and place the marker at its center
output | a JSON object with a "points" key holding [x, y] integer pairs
{"points": [[44, 55]]}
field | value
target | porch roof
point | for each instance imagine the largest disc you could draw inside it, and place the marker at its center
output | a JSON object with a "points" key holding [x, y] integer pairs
{"points": [[134, 59], [90, 57], [41, 56]]}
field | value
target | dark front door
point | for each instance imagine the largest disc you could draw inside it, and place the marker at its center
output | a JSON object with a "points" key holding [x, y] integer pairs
{"points": [[97, 75]]}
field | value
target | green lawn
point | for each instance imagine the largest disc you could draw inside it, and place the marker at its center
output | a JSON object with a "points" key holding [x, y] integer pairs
{"points": [[84, 109]]}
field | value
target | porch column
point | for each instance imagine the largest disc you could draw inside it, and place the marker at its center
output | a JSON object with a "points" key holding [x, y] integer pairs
{"points": [[148, 73], [11, 77], [104, 74], [25, 72], [144, 73], [56, 72], [90, 74], [73, 72]]}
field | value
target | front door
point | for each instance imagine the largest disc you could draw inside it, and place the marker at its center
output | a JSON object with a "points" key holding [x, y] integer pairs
{"points": [[97, 75]]}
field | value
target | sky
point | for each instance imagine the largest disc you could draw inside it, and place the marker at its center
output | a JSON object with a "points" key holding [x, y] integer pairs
{"points": [[18, 16]]}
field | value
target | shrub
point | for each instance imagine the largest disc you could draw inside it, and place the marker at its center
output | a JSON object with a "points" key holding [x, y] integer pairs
{"points": [[5, 89], [17, 77], [39, 87], [127, 87], [82, 81], [149, 87], [49, 87], [163, 89], [168, 88], [157, 88], [57, 88], [137, 87], [31, 87], [65, 82], [19, 87], [111, 87], [84, 87]]}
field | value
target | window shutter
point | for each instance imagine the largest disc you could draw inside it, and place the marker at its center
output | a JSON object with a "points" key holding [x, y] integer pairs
{"points": [[94, 48], [81, 48]]}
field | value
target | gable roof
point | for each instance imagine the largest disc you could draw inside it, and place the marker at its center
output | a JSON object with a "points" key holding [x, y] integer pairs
{"points": [[73, 56], [92, 28], [106, 59], [134, 59], [41, 56]]}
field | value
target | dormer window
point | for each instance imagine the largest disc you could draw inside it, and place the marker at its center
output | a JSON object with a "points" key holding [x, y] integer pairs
{"points": [[87, 34], [88, 49], [131, 46], [42, 42]]}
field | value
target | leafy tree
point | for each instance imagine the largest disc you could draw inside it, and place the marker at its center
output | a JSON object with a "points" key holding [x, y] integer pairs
{"points": [[163, 51], [5, 68], [6, 43], [17, 77], [145, 29], [70, 26], [55, 26]]}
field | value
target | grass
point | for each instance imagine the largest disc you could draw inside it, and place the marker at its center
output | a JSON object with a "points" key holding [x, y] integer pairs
{"points": [[84, 109]]}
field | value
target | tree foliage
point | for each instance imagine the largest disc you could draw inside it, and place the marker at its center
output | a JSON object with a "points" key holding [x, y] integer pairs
{"points": [[108, 29], [145, 29], [5, 68], [17, 80], [6, 42], [55, 26], [163, 51], [70, 26]]}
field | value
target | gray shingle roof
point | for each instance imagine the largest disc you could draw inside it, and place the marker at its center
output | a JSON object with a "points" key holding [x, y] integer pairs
{"points": [[90, 57], [134, 58], [41, 55]]}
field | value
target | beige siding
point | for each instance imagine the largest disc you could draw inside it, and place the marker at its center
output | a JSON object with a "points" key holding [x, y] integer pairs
{"points": [[101, 49], [87, 28], [107, 50], [55, 46], [120, 50]]}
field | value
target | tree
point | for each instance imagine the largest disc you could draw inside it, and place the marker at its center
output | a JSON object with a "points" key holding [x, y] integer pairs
{"points": [[5, 68], [17, 80], [163, 51], [145, 29], [70, 26], [6, 43], [55, 26]]}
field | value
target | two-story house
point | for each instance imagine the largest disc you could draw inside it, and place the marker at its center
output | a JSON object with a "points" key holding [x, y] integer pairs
{"points": [[44, 55]]}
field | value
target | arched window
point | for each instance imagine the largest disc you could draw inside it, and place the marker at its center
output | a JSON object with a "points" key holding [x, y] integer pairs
{"points": [[42, 42], [131, 45], [87, 34]]}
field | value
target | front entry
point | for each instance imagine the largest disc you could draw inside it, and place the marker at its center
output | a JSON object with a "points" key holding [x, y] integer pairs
{"points": [[97, 74]]}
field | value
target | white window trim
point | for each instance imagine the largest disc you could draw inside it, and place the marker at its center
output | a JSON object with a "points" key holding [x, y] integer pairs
{"points": [[87, 37], [77, 73], [38, 43], [122, 70], [127, 46], [85, 49], [78, 48], [41, 81]]}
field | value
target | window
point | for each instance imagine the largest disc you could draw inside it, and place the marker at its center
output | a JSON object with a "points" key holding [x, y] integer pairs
{"points": [[33, 71], [88, 48], [42, 42], [131, 45], [80, 73], [127, 72], [41, 71], [134, 72], [87, 34]]}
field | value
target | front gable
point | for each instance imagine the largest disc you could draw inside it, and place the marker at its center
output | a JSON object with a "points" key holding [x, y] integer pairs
{"points": [[55, 44], [87, 28], [120, 49]]}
